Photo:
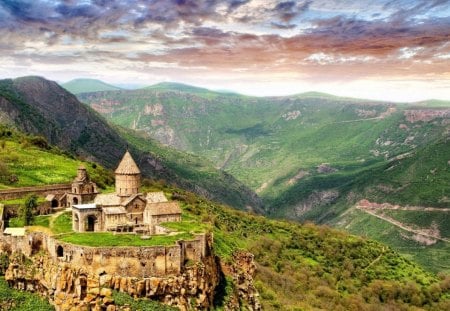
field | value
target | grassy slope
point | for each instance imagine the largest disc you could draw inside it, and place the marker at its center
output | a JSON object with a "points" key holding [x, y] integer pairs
{"points": [[39, 106], [37, 165], [306, 261], [310, 267], [252, 140], [434, 257], [78, 86], [14, 300]]}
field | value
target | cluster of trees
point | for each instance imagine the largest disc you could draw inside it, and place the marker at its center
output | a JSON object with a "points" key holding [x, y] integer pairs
{"points": [[303, 267]]}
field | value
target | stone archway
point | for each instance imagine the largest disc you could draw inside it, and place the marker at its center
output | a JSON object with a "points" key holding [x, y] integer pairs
{"points": [[55, 203], [75, 201], [91, 223]]}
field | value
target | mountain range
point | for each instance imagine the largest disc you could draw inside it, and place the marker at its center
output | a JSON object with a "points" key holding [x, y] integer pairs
{"points": [[41, 107], [345, 157], [307, 157], [311, 156]]}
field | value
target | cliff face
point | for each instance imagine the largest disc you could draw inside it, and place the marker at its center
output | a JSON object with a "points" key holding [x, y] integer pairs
{"points": [[84, 278], [70, 287], [242, 270]]}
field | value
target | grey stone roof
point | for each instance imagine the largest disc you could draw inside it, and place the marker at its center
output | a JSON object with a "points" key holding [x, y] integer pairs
{"points": [[163, 208], [131, 198], [127, 166], [156, 197], [108, 199]]}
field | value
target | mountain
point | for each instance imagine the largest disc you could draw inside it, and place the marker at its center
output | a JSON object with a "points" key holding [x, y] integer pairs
{"points": [[78, 86], [41, 107], [311, 156], [329, 269], [180, 87]]}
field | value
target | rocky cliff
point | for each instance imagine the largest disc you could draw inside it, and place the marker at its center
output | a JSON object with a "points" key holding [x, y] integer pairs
{"points": [[70, 287]]}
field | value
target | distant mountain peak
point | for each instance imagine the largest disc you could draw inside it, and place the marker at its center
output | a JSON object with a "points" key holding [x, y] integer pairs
{"points": [[78, 86], [178, 87]]}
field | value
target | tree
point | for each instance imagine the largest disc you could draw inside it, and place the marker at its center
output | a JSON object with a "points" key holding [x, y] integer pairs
{"points": [[26, 211]]}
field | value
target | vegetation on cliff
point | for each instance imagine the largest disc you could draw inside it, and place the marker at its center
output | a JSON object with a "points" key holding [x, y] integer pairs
{"points": [[14, 300], [309, 266]]}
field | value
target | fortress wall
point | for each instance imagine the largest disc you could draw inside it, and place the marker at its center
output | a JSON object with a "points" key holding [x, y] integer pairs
{"points": [[16, 193], [121, 261]]}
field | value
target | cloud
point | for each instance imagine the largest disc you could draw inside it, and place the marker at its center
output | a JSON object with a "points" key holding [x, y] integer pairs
{"points": [[317, 39]]}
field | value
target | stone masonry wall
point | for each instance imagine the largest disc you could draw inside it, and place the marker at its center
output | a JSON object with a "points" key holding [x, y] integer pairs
{"points": [[122, 261], [16, 193], [83, 278]]}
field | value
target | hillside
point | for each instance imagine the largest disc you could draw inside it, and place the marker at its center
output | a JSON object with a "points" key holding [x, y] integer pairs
{"points": [[78, 86], [280, 145], [310, 156], [298, 266], [41, 107]]}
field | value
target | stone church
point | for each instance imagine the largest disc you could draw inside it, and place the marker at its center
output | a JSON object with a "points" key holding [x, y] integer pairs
{"points": [[126, 210]]}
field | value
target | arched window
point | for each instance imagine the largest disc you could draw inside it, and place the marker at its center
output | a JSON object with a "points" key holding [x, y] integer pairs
{"points": [[60, 251]]}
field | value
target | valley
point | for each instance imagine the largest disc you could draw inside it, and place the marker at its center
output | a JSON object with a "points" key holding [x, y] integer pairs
{"points": [[310, 157], [339, 173]]}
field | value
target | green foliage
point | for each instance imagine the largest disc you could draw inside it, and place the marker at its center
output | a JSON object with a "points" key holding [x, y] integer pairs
{"points": [[123, 299], [4, 262], [316, 267], [14, 300], [26, 211], [62, 223], [435, 257], [107, 239]]}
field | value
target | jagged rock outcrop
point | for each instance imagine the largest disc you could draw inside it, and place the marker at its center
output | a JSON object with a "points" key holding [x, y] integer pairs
{"points": [[70, 287], [242, 270]]}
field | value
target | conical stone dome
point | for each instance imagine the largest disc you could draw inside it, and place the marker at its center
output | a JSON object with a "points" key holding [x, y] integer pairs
{"points": [[128, 176], [127, 166]]}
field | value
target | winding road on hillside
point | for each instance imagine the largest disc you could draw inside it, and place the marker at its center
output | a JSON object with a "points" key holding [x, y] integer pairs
{"points": [[373, 212]]}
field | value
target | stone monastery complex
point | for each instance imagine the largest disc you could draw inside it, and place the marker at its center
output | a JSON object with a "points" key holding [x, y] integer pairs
{"points": [[126, 210]]}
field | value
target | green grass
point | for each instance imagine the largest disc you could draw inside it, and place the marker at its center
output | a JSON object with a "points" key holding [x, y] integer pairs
{"points": [[62, 223], [21, 201], [14, 300], [35, 166], [107, 239], [123, 299], [43, 221]]}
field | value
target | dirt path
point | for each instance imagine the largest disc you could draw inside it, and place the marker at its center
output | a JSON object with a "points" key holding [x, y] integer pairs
{"points": [[54, 216], [375, 260], [401, 225]]}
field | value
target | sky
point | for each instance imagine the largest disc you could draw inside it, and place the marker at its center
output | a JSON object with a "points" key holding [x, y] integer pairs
{"points": [[395, 50]]}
